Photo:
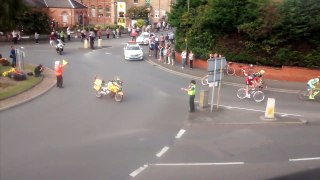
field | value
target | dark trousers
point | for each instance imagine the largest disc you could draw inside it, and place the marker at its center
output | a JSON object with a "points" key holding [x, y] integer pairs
{"points": [[37, 40], [191, 102], [59, 81], [191, 64], [108, 36], [69, 37]]}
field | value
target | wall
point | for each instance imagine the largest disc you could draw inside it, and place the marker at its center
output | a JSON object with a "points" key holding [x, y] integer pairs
{"points": [[285, 73]]}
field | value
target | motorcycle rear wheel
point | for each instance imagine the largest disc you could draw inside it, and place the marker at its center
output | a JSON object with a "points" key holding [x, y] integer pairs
{"points": [[118, 97], [98, 94]]}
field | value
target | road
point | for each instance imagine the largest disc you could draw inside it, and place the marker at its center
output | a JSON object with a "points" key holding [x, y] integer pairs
{"points": [[69, 134]]}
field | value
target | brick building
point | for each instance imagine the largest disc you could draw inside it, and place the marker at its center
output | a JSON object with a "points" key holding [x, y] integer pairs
{"points": [[113, 11], [83, 12], [63, 13]]}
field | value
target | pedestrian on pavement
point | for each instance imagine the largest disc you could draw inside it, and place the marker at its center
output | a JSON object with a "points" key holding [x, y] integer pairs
{"points": [[108, 32], [161, 49], [91, 39], [173, 56], [69, 33], [36, 37], [169, 54], [15, 36], [62, 35], [99, 34], [13, 56], [191, 59], [192, 93], [51, 39], [58, 67], [184, 58], [156, 47]]}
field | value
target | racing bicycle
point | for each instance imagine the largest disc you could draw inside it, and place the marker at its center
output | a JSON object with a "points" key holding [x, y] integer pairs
{"points": [[257, 95], [304, 95]]}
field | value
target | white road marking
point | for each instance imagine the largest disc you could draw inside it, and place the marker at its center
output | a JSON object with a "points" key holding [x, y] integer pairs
{"points": [[256, 110], [198, 164], [180, 133], [108, 53], [304, 159], [138, 171], [163, 150]]}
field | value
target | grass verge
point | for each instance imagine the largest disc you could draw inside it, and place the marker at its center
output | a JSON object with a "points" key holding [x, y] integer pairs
{"points": [[10, 87]]}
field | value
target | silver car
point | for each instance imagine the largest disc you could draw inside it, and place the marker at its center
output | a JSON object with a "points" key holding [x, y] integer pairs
{"points": [[133, 51]]}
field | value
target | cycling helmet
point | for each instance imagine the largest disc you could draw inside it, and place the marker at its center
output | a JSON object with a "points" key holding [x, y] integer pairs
{"points": [[262, 71]]}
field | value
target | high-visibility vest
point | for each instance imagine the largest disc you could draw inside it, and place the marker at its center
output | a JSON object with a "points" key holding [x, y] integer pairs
{"points": [[58, 70], [192, 91]]}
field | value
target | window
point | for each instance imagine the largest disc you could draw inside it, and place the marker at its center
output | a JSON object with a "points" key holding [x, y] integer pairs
{"points": [[64, 17], [100, 11], [108, 10], [156, 13], [136, 1], [93, 11]]}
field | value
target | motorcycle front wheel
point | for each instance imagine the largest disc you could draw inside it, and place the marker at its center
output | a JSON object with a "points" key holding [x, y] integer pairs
{"points": [[98, 94], [118, 97]]}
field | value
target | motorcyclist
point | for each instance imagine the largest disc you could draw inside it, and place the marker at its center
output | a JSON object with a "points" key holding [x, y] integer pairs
{"points": [[59, 45]]}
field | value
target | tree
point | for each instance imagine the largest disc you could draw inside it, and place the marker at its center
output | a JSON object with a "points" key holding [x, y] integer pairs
{"points": [[138, 12], [35, 21], [10, 11]]}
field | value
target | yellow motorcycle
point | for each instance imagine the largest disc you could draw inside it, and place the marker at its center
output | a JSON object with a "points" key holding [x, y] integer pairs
{"points": [[113, 88]]}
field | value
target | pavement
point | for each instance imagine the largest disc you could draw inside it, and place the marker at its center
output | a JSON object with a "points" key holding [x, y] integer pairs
{"points": [[202, 115]]}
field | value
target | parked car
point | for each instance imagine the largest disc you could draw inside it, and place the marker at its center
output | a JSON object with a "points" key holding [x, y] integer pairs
{"points": [[133, 51], [143, 38]]}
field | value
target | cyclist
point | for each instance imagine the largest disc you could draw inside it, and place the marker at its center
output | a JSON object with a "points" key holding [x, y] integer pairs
{"points": [[258, 77], [312, 84], [250, 83]]}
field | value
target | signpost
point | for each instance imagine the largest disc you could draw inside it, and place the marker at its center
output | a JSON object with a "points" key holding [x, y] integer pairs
{"points": [[216, 68]]}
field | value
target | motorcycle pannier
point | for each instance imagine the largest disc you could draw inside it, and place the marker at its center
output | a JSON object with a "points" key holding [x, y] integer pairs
{"points": [[97, 84]]}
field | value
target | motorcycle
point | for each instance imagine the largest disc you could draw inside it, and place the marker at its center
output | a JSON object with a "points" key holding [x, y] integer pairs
{"points": [[113, 88], [59, 47]]}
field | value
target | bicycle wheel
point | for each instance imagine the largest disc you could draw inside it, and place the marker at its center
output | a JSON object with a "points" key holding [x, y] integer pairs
{"points": [[303, 95], [204, 80], [230, 71], [241, 93], [258, 96]]}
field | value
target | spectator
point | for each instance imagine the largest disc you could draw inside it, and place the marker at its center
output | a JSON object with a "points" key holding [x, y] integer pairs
{"points": [[36, 37], [184, 58], [69, 33], [38, 70], [191, 59], [13, 56], [51, 39], [14, 37], [108, 32]]}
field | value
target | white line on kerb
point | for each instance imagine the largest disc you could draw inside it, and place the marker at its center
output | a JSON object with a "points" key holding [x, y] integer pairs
{"points": [[163, 150], [305, 159], [180, 133], [139, 170], [198, 164]]}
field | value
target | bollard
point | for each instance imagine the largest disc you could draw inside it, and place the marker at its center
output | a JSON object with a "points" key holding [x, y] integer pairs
{"points": [[85, 44], [203, 102], [99, 42], [269, 114]]}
